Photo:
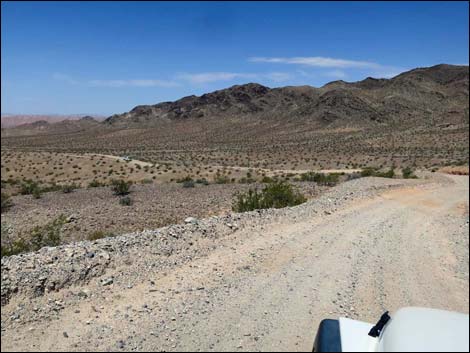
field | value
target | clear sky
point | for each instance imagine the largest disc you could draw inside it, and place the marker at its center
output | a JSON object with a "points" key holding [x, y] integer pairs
{"points": [[107, 57]]}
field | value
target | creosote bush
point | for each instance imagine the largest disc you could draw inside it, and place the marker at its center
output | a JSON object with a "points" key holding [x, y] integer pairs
{"points": [[99, 234], [6, 202], [185, 179], [30, 187], [221, 179], [408, 173], [120, 187], [95, 183], [202, 181], [41, 236], [125, 201], [330, 179], [66, 189], [274, 195], [188, 184], [374, 172]]}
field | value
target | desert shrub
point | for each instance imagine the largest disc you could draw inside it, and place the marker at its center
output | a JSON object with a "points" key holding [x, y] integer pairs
{"points": [[408, 173], [321, 178], [66, 189], [274, 195], [41, 236], [47, 235], [37, 193], [99, 234], [125, 201], [120, 187], [221, 179], [188, 184], [307, 176], [6, 202], [353, 176], [30, 187], [267, 180], [247, 180], [374, 172], [202, 181], [369, 171], [95, 183], [185, 179], [249, 201], [14, 247], [388, 174]]}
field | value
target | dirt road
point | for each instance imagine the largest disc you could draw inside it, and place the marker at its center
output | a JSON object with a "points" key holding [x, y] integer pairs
{"points": [[267, 286]]}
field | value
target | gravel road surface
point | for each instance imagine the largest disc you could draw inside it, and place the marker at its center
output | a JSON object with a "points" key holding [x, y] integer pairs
{"points": [[260, 281]]}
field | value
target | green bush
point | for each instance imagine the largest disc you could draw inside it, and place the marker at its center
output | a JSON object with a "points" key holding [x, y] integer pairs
{"points": [[369, 171], [221, 179], [95, 183], [321, 178], [202, 181], [41, 236], [30, 187], [274, 195], [388, 174], [352, 176], [408, 173], [185, 179], [125, 201], [37, 193], [6, 202], [247, 180], [51, 187], [66, 189], [267, 180], [188, 184], [307, 176], [120, 187], [99, 234], [15, 247], [47, 235]]}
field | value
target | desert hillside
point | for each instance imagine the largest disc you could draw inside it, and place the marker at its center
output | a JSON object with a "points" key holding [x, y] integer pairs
{"points": [[419, 118]]}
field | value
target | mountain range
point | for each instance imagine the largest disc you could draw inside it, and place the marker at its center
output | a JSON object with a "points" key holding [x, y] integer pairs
{"points": [[423, 96]]}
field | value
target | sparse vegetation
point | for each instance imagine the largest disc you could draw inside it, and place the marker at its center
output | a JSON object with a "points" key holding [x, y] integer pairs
{"points": [[408, 173], [95, 184], [188, 184], [41, 236], [120, 187], [370, 171], [221, 179], [125, 201], [99, 234], [68, 188], [185, 179], [202, 181], [274, 195], [30, 187], [6, 202], [330, 179], [47, 235]]}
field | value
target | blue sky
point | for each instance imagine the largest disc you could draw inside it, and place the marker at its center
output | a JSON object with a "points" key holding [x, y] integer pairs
{"points": [[107, 57]]}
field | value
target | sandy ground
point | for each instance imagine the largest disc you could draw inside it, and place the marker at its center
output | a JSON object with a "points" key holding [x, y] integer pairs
{"points": [[267, 287]]}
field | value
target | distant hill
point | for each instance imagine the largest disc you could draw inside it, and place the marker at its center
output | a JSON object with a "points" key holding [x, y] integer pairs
{"points": [[423, 96], [13, 120]]}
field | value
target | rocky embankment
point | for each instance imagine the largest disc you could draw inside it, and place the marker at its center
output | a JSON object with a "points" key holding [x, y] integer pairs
{"points": [[52, 269]]}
